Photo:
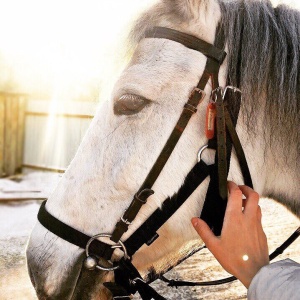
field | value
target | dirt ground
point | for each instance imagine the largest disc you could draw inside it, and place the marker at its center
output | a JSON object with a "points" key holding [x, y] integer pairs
{"points": [[17, 219]]}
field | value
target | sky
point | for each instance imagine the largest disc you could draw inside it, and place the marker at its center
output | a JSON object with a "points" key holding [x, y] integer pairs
{"points": [[48, 46]]}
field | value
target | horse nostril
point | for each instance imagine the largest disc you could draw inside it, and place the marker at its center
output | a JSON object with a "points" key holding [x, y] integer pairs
{"points": [[130, 104]]}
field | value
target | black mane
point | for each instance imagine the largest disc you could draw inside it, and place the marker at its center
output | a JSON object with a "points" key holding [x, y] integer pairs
{"points": [[263, 48]]}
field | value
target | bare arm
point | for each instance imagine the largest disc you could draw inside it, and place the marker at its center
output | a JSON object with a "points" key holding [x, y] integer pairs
{"points": [[242, 248]]}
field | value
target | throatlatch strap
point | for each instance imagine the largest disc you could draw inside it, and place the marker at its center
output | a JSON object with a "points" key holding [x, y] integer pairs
{"points": [[238, 149]]}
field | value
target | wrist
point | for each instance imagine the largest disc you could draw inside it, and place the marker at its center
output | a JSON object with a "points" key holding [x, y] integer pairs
{"points": [[248, 274]]}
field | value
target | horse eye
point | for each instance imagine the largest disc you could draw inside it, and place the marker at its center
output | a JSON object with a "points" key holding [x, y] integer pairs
{"points": [[130, 104]]}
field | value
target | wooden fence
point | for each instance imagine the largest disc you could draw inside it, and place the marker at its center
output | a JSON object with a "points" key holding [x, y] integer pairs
{"points": [[53, 132], [12, 113]]}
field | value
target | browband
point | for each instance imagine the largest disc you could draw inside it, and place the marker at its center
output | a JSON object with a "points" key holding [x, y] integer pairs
{"points": [[188, 41]]}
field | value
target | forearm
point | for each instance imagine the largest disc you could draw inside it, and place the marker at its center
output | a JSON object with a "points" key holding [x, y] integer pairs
{"points": [[277, 281]]}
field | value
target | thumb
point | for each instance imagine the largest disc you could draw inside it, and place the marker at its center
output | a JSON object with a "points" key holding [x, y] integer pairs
{"points": [[205, 233]]}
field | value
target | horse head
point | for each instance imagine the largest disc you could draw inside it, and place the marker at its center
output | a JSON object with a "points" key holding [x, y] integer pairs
{"points": [[123, 142]]}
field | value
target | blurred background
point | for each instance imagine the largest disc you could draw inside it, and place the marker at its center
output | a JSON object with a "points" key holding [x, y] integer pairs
{"points": [[57, 59]]}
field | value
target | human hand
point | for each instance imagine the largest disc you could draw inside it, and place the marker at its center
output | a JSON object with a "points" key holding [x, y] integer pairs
{"points": [[242, 248]]}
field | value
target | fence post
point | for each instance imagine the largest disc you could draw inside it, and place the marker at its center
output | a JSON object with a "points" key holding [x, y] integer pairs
{"points": [[2, 122], [12, 117]]}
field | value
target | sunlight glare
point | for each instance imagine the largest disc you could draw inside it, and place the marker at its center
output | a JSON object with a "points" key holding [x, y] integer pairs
{"points": [[74, 39], [65, 50]]}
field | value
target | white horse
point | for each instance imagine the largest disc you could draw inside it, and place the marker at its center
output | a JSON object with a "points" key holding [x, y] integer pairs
{"points": [[120, 147]]}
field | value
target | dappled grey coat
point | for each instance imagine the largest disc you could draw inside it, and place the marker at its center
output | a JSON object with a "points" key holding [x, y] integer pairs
{"points": [[277, 281]]}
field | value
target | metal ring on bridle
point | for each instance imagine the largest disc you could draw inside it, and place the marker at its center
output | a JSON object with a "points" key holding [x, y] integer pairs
{"points": [[201, 151], [119, 245]]}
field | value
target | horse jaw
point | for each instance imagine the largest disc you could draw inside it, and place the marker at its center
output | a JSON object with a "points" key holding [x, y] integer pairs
{"points": [[114, 158]]}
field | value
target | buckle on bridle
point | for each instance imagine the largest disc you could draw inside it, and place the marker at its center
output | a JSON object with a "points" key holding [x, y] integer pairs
{"points": [[233, 88], [91, 262], [133, 281], [125, 221], [214, 93], [190, 107], [199, 91]]}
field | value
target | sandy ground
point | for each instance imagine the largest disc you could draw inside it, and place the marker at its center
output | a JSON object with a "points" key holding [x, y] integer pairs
{"points": [[18, 218]]}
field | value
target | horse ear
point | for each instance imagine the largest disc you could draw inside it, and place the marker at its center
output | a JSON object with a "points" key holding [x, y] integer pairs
{"points": [[185, 8]]}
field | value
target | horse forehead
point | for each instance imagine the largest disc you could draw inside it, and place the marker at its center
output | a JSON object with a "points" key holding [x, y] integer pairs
{"points": [[162, 51], [165, 56]]}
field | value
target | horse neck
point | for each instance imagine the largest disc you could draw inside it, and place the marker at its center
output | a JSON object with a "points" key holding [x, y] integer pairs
{"points": [[273, 171]]}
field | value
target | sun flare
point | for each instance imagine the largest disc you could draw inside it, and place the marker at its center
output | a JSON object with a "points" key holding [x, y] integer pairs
{"points": [[66, 43], [61, 52]]}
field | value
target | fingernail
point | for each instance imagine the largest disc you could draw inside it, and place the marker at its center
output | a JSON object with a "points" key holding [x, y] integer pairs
{"points": [[195, 222]]}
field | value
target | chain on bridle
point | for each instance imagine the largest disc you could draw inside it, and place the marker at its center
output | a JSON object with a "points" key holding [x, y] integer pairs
{"points": [[223, 113]]}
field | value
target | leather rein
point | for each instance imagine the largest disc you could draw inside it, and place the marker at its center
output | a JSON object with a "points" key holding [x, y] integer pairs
{"points": [[222, 113]]}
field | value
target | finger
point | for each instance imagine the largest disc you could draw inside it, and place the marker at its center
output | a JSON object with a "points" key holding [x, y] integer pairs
{"points": [[259, 214], [259, 217], [208, 237], [235, 202], [252, 199]]}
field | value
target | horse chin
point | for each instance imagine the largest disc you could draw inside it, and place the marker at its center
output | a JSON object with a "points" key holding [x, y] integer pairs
{"points": [[81, 285], [90, 287]]}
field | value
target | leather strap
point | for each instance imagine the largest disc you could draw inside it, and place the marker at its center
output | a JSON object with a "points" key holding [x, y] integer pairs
{"points": [[238, 149], [147, 232], [274, 254], [122, 225], [214, 206], [72, 235], [128, 281], [188, 41], [221, 144], [286, 244]]}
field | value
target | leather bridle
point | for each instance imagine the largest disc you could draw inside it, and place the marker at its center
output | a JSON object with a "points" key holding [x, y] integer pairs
{"points": [[227, 104]]}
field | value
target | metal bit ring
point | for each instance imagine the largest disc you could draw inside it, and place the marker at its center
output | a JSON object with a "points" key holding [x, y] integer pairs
{"points": [[119, 245]]}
